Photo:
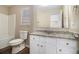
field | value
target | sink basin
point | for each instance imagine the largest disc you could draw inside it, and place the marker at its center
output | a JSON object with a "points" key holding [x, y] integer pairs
{"points": [[15, 42]]}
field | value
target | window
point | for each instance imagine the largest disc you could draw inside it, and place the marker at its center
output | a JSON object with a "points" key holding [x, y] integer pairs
{"points": [[25, 16]]}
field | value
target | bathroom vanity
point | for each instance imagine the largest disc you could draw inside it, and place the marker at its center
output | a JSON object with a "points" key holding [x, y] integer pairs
{"points": [[55, 19], [42, 43]]}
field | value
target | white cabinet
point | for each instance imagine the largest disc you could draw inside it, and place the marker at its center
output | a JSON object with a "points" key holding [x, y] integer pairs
{"points": [[34, 46], [42, 45], [50, 45], [66, 46], [37, 44], [66, 50], [67, 43]]}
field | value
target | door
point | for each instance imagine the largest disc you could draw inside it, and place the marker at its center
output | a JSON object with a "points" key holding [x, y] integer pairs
{"points": [[34, 44], [51, 45]]}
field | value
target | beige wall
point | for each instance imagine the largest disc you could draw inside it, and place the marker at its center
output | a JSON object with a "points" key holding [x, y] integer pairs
{"points": [[3, 9], [37, 14], [17, 10], [3, 20]]}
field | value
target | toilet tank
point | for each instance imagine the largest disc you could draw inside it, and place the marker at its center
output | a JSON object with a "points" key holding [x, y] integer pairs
{"points": [[23, 34]]}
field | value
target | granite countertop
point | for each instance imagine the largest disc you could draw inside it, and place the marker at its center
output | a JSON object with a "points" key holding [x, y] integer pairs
{"points": [[55, 35]]}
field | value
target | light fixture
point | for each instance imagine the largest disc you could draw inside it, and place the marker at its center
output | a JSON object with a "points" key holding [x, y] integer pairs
{"points": [[44, 5]]}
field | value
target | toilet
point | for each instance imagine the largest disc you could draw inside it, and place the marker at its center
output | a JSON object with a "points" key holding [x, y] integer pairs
{"points": [[19, 44]]}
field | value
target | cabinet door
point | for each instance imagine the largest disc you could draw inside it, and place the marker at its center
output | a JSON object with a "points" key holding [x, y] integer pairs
{"points": [[66, 50], [51, 45], [67, 42], [34, 45], [42, 45], [66, 46]]}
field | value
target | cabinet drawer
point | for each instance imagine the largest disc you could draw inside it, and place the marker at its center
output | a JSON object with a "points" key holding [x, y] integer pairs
{"points": [[33, 37], [67, 43]]}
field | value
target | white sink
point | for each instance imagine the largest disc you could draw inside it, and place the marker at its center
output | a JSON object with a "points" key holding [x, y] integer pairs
{"points": [[15, 42]]}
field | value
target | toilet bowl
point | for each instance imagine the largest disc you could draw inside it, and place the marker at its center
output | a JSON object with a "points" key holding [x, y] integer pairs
{"points": [[15, 42], [19, 44]]}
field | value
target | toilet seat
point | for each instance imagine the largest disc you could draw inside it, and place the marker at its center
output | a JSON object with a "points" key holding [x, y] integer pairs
{"points": [[16, 42]]}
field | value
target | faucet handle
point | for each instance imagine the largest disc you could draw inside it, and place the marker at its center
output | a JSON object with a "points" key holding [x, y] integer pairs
{"points": [[75, 35]]}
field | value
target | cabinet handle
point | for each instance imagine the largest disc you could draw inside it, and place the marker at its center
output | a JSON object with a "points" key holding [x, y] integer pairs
{"points": [[33, 38], [60, 50], [41, 45], [67, 43], [37, 44]]}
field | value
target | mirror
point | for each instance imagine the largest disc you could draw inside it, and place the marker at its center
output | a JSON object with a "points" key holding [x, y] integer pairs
{"points": [[48, 16], [57, 17]]}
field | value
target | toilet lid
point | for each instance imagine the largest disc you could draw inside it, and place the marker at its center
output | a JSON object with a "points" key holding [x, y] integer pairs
{"points": [[16, 41]]}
